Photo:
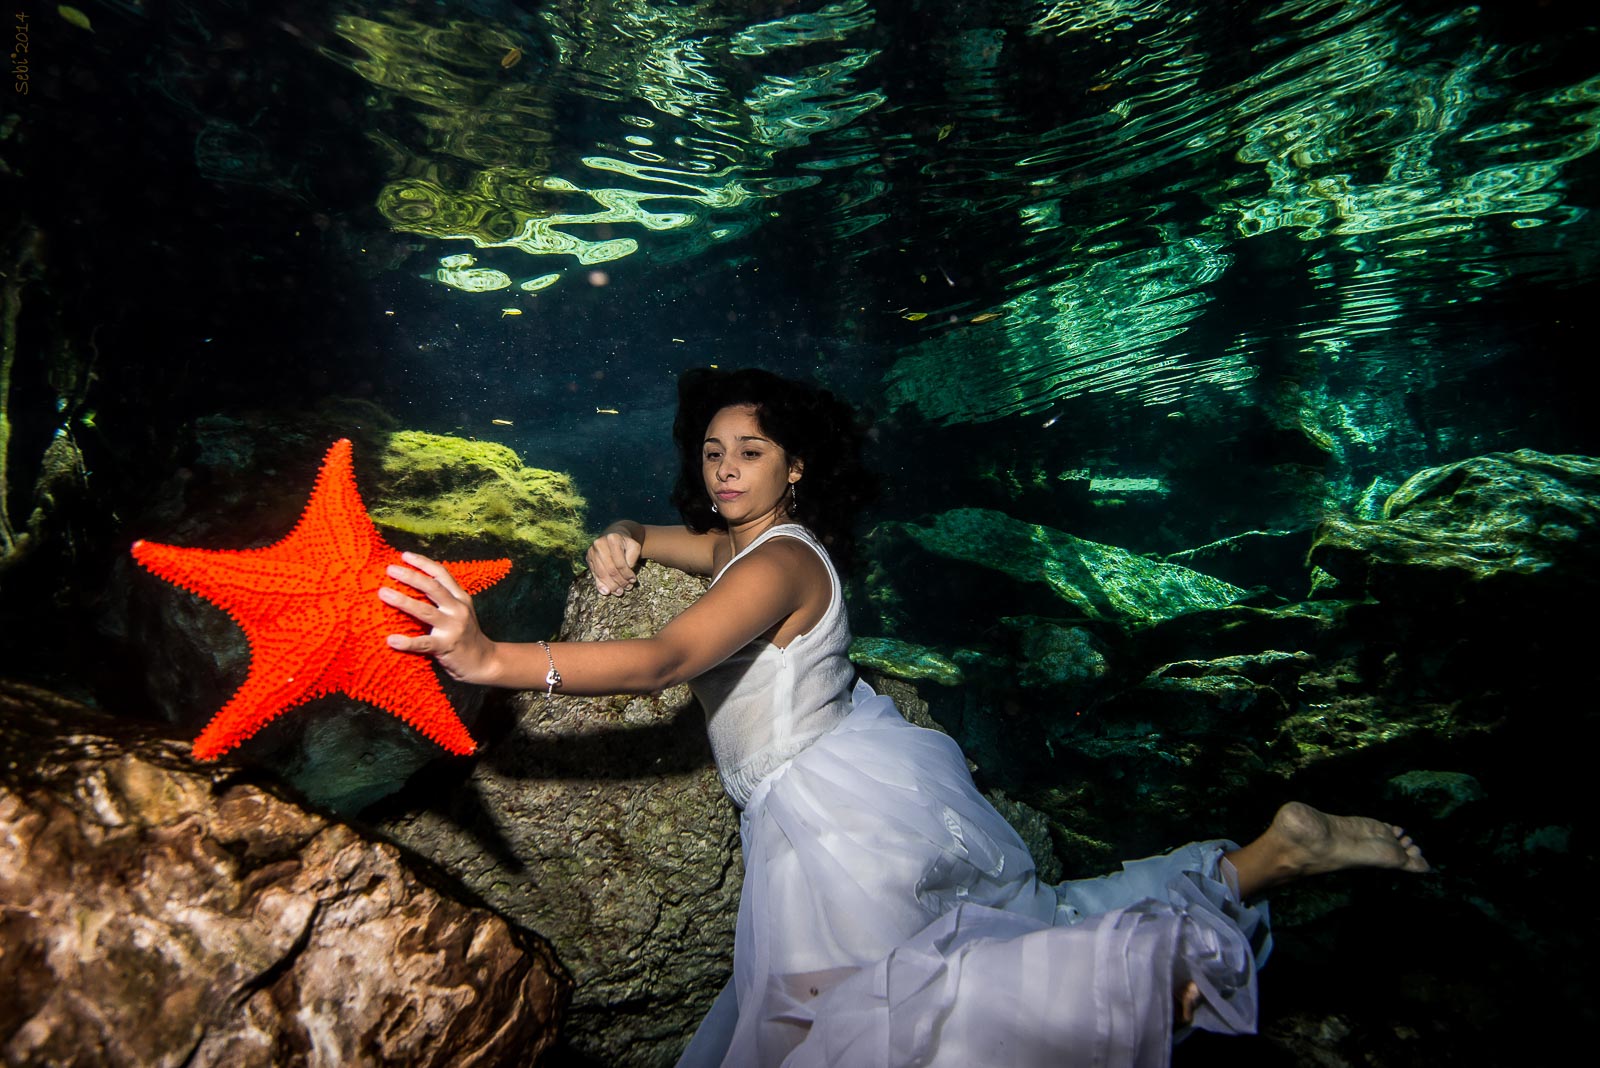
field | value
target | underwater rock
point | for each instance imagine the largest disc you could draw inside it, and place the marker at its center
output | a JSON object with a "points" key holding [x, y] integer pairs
{"points": [[600, 823], [435, 488], [905, 660], [1436, 793], [1469, 529], [1229, 701], [1056, 656], [1102, 582], [442, 496], [160, 912], [1034, 829], [1275, 559]]}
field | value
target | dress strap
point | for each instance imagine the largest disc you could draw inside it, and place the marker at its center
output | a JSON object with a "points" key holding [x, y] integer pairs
{"points": [[792, 530]]}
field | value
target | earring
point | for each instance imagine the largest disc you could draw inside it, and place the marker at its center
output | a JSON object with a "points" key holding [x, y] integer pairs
{"points": [[713, 506], [794, 498]]}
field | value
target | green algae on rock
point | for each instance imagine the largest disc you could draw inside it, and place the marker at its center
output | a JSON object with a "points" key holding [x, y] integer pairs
{"points": [[905, 660], [1102, 581], [1520, 513], [436, 487], [1055, 654], [1438, 793]]}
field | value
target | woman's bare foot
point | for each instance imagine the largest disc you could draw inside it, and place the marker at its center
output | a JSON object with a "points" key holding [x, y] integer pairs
{"points": [[1303, 841]]}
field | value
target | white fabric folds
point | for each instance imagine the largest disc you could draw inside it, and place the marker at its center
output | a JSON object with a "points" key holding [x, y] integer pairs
{"points": [[891, 917]]}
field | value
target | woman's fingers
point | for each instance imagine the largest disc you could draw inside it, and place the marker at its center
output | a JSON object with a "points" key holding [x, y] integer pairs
{"points": [[609, 563], [423, 611], [446, 611], [408, 643], [434, 570]]}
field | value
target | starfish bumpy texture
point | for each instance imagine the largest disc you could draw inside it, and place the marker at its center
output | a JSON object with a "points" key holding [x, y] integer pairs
{"points": [[309, 607]]}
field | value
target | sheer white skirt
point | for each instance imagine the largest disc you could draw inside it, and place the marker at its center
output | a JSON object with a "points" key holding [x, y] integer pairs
{"points": [[890, 916]]}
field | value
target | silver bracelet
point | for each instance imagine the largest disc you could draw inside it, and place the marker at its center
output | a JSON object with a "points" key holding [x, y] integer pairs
{"points": [[552, 678]]}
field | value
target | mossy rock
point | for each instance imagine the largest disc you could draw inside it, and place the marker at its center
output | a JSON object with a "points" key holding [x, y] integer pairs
{"points": [[1103, 582], [905, 660], [1055, 656], [1517, 524], [435, 488]]}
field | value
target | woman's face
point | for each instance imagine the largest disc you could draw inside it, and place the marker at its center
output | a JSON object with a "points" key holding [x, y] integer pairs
{"points": [[746, 473]]}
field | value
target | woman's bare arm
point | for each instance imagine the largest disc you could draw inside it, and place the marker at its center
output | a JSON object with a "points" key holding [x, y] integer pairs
{"points": [[764, 588]]}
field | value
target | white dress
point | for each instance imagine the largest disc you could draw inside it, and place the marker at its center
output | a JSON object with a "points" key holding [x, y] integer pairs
{"points": [[891, 917]]}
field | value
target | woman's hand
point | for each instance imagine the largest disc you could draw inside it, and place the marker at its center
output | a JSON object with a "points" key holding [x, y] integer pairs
{"points": [[455, 640], [612, 558]]}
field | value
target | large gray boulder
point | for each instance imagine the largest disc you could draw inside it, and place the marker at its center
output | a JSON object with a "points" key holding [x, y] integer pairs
{"points": [[599, 822], [158, 912]]}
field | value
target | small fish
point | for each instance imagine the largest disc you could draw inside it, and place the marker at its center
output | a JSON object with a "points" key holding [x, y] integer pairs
{"points": [[509, 311], [1050, 422], [915, 316], [986, 317], [74, 16], [946, 130], [1102, 87], [512, 57], [679, 340], [606, 411], [947, 279], [388, 311], [502, 422]]}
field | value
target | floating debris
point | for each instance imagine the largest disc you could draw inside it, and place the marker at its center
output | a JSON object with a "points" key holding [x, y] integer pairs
{"points": [[74, 16], [606, 411], [915, 316], [512, 57], [502, 422], [544, 281], [946, 130], [986, 317]]}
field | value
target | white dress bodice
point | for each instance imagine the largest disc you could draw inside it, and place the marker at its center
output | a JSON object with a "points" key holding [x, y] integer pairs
{"points": [[765, 704]]}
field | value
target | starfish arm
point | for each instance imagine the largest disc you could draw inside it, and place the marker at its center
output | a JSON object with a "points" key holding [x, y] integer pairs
{"points": [[245, 583], [402, 684], [262, 699], [335, 528], [475, 575], [421, 704]]}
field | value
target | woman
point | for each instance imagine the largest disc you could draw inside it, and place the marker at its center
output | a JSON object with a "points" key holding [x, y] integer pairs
{"points": [[889, 914]]}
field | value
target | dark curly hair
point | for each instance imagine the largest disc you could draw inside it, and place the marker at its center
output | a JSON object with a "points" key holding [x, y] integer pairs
{"points": [[807, 422]]}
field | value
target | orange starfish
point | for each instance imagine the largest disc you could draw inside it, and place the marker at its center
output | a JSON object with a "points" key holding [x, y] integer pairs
{"points": [[309, 607]]}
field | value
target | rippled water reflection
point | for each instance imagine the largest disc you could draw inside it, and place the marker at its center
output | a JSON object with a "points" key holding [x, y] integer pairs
{"points": [[1065, 198]]}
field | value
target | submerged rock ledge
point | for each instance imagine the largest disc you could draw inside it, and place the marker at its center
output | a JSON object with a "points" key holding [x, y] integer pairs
{"points": [[158, 912]]}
